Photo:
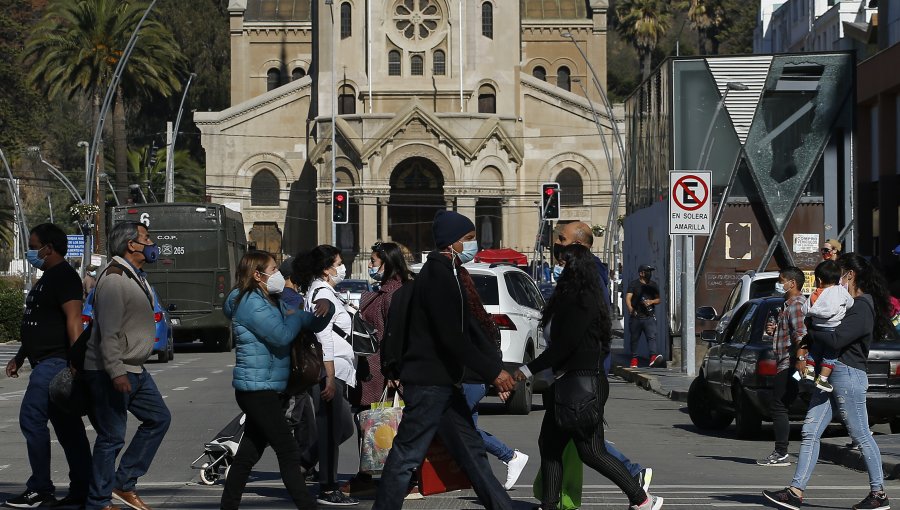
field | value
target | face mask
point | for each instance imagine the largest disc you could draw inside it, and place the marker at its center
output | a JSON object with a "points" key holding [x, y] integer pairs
{"points": [[557, 271], [150, 252], [844, 283], [93, 273], [375, 273], [341, 274], [275, 283], [34, 259], [557, 251], [779, 288], [469, 249]]}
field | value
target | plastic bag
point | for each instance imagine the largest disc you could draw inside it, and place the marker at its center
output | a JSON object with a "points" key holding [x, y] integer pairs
{"points": [[379, 426], [573, 474]]}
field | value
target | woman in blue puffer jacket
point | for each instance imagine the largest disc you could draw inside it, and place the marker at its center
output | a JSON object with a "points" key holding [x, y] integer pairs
{"points": [[263, 334]]}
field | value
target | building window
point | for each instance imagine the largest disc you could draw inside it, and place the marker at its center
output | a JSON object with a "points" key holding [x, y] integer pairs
{"points": [[571, 188], [487, 20], [264, 189], [539, 73], [393, 63], [416, 65], [563, 78], [298, 73], [273, 79], [440, 63], [487, 99], [346, 20], [346, 101]]}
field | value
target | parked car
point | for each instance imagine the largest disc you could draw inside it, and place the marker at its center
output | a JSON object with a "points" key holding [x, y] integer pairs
{"points": [[515, 303], [752, 285], [735, 379], [352, 290], [163, 343]]}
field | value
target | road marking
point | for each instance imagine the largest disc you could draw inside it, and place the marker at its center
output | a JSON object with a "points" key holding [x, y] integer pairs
{"points": [[180, 388], [199, 379], [4, 466], [217, 371], [11, 395]]}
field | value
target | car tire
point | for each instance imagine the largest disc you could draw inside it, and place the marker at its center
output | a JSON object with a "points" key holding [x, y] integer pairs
{"points": [[163, 356], [171, 350], [747, 419], [702, 408], [895, 426], [520, 400]]}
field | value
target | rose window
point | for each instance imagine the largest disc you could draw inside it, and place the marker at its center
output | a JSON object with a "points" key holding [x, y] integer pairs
{"points": [[417, 19]]}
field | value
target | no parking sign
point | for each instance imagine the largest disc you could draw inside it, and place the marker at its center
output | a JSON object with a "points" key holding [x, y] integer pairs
{"points": [[689, 203]]}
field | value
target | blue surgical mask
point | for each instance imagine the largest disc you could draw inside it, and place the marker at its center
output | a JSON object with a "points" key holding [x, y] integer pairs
{"points": [[375, 273], [779, 288], [34, 259], [150, 252], [469, 249], [557, 271]]}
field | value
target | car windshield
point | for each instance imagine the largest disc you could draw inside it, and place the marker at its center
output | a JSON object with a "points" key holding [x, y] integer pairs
{"points": [[486, 285], [352, 286], [763, 287]]}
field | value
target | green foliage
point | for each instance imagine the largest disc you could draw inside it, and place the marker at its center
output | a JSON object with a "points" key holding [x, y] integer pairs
{"points": [[190, 176], [20, 108], [643, 23], [12, 301]]}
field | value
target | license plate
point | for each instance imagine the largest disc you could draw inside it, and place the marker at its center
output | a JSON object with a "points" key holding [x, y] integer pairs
{"points": [[176, 322]]}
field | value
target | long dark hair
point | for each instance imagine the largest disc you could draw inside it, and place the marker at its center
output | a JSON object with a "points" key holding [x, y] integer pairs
{"points": [[394, 263], [871, 281], [309, 266], [580, 281], [252, 262]]}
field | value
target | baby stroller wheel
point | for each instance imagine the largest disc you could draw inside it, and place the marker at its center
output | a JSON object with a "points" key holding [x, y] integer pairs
{"points": [[208, 474]]}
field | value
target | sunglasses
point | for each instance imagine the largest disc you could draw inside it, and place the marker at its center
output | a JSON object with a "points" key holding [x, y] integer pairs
{"points": [[827, 250]]}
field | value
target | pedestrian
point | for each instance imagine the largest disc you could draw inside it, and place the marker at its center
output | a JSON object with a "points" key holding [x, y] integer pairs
{"points": [[641, 298], [51, 323], [789, 332], [441, 349], [318, 272], [388, 269], [89, 280], [263, 334], [581, 338], [831, 249], [121, 341], [866, 322]]}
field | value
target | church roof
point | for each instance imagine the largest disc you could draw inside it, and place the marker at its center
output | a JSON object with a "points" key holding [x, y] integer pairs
{"points": [[278, 10], [553, 9]]}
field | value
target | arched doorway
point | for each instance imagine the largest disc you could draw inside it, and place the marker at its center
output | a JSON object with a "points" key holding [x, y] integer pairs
{"points": [[417, 192]]}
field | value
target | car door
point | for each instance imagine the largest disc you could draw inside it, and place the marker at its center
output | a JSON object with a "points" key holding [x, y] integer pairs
{"points": [[524, 313], [714, 362], [741, 335]]}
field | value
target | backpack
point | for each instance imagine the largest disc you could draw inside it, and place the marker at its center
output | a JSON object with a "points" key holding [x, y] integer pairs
{"points": [[396, 331], [363, 336]]}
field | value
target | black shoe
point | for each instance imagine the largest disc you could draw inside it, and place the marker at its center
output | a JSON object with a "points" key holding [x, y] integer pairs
{"points": [[312, 476], [775, 459], [69, 502], [785, 498], [31, 499], [336, 498], [874, 501]]}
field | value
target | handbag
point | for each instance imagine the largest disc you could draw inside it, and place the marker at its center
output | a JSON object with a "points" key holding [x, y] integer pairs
{"points": [[306, 363], [577, 402], [363, 337]]}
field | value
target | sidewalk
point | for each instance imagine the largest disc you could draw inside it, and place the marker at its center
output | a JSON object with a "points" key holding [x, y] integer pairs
{"points": [[673, 384]]}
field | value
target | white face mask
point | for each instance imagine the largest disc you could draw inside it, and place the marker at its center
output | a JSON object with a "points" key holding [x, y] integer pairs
{"points": [[844, 283], [469, 250], [275, 283], [341, 274]]}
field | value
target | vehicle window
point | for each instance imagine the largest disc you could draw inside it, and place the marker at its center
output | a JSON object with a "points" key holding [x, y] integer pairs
{"points": [[745, 325], [486, 286], [523, 290], [534, 295], [762, 288], [352, 286], [731, 302]]}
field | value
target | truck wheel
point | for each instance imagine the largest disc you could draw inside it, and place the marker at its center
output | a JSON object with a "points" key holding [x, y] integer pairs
{"points": [[702, 408], [747, 420], [227, 342], [895, 426], [520, 400]]}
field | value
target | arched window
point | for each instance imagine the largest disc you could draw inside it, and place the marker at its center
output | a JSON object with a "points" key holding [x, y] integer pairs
{"points": [[273, 79], [416, 65], [540, 73], [563, 78], [393, 63], [298, 73], [487, 20], [571, 188], [346, 101], [487, 99], [440, 63], [346, 20], [264, 189]]}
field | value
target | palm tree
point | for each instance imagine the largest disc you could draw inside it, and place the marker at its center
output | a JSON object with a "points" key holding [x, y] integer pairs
{"points": [[74, 50], [707, 17], [643, 23], [190, 177]]}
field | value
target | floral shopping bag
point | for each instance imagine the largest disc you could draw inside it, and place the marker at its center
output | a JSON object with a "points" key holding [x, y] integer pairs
{"points": [[379, 426]]}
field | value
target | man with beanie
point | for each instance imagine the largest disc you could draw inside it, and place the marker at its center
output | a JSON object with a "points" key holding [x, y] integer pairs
{"points": [[443, 347]]}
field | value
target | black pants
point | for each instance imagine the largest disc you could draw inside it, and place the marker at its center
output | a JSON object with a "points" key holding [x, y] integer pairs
{"points": [[334, 422], [302, 419], [265, 426], [591, 449], [784, 393]]}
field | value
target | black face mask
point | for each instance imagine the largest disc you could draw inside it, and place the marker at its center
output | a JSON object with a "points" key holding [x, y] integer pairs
{"points": [[557, 251]]}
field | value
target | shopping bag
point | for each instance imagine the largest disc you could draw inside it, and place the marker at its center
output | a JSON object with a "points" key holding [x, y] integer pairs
{"points": [[379, 426], [573, 474], [439, 473]]}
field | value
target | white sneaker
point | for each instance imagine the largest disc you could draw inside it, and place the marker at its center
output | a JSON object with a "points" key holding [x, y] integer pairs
{"points": [[652, 503], [514, 468]]}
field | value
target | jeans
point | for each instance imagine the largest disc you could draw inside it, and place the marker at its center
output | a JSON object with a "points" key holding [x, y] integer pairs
{"points": [[784, 392], [633, 468], [646, 325], [265, 425], [474, 393], [34, 414], [110, 418], [442, 410], [849, 397], [334, 425]]}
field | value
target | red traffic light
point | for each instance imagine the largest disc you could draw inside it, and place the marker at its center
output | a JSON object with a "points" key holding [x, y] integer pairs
{"points": [[339, 197], [550, 191]]}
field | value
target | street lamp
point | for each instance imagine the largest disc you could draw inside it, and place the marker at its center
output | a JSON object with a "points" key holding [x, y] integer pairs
{"points": [[330, 3], [170, 151], [20, 216], [112, 190], [87, 164], [36, 152]]}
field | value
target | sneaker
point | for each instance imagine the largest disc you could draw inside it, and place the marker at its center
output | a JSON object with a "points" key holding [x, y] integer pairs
{"points": [[31, 499], [656, 360], [413, 494], [634, 363], [360, 485], [874, 501], [514, 468], [785, 498], [775, 459], [644, 477], [652, 503], [312, 476], [336, 498], [809, 372], [823, 384]]}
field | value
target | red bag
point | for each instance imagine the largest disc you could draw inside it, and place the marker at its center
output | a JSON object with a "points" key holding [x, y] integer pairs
{"points": [[439, 472]]}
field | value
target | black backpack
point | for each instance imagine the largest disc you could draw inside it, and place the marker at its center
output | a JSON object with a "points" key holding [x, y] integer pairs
{"points": [[396, 331]]}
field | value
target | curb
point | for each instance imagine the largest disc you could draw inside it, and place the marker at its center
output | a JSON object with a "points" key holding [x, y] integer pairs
{"points": [[852, 458], [649, 382]]}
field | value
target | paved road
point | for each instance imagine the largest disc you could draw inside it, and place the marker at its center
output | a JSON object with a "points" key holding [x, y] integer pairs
{"points": [[692, 470]]}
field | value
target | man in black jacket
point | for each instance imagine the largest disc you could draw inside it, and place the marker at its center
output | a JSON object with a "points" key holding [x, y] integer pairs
{"points": [[441, 351]]}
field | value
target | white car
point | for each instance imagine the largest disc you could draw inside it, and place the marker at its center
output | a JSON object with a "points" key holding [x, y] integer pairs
{"points": [[752, 285], [515, 303]]}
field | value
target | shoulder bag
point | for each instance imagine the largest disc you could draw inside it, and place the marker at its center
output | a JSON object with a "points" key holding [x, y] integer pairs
{"points": [[306, 363], [577, 405], [363, 337]]}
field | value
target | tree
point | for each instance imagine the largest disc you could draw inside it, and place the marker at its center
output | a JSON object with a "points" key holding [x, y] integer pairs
{"points": [[76, 46], [150, 173], [643, 23], [20, 107], [707, 18]]}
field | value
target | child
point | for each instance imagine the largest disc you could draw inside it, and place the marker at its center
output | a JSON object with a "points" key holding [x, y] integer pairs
{"points": [[825, 310]]}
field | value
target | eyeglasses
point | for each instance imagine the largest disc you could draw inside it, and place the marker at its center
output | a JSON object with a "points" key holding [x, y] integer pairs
{"points": [[826, 250]]}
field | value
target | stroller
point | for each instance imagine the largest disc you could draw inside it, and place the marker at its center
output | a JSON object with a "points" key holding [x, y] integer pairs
{"points": [[219, 453]]}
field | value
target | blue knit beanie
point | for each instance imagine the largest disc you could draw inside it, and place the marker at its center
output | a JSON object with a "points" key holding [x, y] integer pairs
{"points": [[449, 227]]}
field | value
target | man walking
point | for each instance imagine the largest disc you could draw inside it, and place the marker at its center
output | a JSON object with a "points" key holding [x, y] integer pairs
{"points": [[789, 331], [642, 296], [121, 341], [52, 322]]}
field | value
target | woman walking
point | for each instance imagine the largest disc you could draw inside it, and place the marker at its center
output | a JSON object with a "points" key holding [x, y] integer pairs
{"points": [[263, 334], [580, 341], [864, 322]]}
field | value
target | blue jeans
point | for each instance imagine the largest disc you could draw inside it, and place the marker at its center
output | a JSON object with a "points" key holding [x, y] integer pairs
{"points": [[34, 414], [442, 410], [849, 397], [633, 467], [110, 418], [474, 393]]}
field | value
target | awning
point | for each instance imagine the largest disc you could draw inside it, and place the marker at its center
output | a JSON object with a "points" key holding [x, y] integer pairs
{"points": [[501, 255]]}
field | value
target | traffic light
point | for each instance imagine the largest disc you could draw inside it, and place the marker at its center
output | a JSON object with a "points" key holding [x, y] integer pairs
{"points": [[340, 202], [550, 201]]}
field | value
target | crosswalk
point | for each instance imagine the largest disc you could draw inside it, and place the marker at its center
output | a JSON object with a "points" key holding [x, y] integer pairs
{"points": [[7, 352]]}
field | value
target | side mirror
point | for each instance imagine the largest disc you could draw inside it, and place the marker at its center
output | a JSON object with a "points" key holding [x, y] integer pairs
{"points": [[708, 335], [707, 313], [172, 307]]}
